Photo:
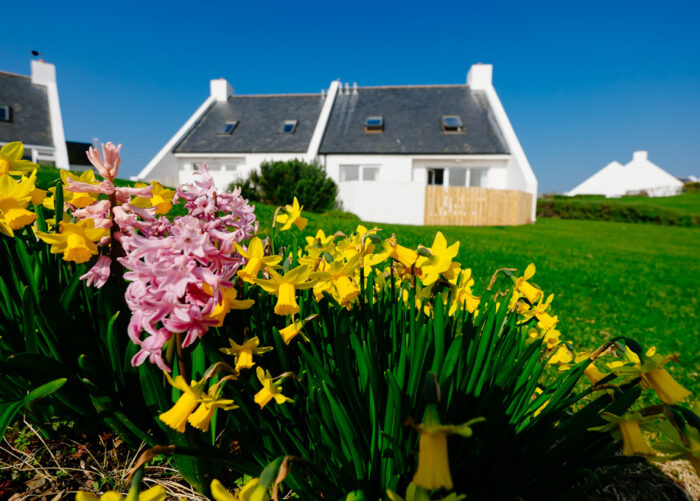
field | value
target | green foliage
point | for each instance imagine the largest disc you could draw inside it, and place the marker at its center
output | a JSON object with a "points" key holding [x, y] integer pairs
{"points": [[683, 210], [692, 187], [278, 183]]}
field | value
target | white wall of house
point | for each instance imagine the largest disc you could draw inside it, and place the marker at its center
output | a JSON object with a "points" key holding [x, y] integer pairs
{"points": [[225, 168], [44, 73], [391, 188]]}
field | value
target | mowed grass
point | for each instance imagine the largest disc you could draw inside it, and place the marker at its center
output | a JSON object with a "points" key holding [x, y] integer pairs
{"points": [[608, 279], [685, 203]]}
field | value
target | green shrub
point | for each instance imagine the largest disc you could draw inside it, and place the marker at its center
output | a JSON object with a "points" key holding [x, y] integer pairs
{"points": [[278, 183]]}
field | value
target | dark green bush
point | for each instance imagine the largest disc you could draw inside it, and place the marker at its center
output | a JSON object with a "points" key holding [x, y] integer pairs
{"points": [[601, 209], [278, 183]]}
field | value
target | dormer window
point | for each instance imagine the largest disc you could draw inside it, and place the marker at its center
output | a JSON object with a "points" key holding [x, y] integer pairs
{"points": [[452, 123], [227, 128], [5, 114], [374, 124], [289, 126]]}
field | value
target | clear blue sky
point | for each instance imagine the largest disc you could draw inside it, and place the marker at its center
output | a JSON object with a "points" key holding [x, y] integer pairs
{"points": [[584, 82]]}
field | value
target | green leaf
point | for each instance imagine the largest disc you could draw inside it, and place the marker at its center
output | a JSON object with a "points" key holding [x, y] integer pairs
{"points": [[8, 411], [58, 205], [44, 391]]}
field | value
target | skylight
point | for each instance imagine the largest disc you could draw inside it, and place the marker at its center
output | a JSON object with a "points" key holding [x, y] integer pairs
{"points": [[289, 126], [227, 128], [452, 123], [5, 113], [374, 124]]}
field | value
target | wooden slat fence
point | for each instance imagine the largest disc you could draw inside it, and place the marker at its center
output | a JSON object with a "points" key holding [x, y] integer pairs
{"points": [[461, 206]]}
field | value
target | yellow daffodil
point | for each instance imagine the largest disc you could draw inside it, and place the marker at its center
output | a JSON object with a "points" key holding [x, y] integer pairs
{"points": [[530, 292], [291, 216], [243, 353], [291, 331], [416, 493], [14, 197], [667, 388], [320, 241], [227, 303], [201, 418], [161, 198], [407, 257], [251, 491], [285, 286], [433, 470], [561, 356], [156, 493], [192, 395], [76, 241], [11, 161], [270, 389], [629, 426], [79, 199], [255, 254], [339, 275], [439, 261], [592, 372], [463, 296], [539, 311]]}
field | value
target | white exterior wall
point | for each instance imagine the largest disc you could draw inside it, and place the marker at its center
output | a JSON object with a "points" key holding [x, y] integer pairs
{"points": [[44, 73], [225, 168], [397, 195]]}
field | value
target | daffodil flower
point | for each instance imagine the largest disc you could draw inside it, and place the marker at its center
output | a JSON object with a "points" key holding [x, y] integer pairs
{"points": [[156, 493], [76, 241], [255, 254], [11, 161], [416, 493], [243, 353], [291, 216], [463, 296], [227, 303], [79, 199], [285, 286], [562, 356], [192, 395], [339, 275], [629, 426], [251, 491], [161, 198], [270, 389], [530, 292], [439, 261], [14, 197], [681, 443], [201, 418]]}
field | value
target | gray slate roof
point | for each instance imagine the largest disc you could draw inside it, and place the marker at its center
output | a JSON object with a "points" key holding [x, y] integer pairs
{"points": [[260, 121], [31, 122], [412, 122]]}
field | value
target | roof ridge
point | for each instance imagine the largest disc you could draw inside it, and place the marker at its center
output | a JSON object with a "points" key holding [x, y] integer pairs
{"points": [[318, 94], [9, 73], [420, 86]]}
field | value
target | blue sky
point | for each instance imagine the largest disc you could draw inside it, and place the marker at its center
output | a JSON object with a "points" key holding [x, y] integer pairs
{"points": [[584, 83]]}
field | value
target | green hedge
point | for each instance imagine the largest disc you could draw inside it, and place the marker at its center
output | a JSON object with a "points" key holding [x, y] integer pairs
{"points": [[611, 210]]}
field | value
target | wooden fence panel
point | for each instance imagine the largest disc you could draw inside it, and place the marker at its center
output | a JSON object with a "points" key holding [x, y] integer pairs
{"points": [[462, 206]]}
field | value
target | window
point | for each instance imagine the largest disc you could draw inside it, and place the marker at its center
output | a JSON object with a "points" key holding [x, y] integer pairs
{"points": [[289, 126], [452, 123], [349, 173], [370, 173], [458, 177], [436, 177], [5, 114], [477, 178], [227, 128], [374, 124]]}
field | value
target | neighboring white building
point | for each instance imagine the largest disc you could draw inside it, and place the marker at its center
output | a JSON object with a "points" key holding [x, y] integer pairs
{"points": [[639, 176], [30, 112], [438, 154]]}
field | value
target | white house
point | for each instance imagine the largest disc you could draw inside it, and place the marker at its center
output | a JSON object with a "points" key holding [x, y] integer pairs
{"points": [[636, 177], [437, 154], [30, 112]]}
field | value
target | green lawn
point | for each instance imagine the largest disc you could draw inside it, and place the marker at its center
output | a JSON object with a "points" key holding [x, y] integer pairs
{"points": [[688, 203], [609, 279]]}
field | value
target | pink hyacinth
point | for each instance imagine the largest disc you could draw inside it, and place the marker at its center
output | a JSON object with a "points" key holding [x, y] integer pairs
{"points": [[176, 270], [99, 273]]}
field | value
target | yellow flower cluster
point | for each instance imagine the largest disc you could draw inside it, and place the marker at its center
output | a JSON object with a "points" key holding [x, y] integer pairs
{"points": [[17, 194]]}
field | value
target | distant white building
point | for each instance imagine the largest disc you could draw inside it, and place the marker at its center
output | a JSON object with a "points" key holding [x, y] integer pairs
{"points": [[639, 176], [437, 154], [31, 112]]}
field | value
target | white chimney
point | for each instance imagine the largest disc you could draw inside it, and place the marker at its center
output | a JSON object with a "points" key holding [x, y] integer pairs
{"points": [[44, 73], [347, 88], [639, 155], [480, 76], [220, 89], [354, 88]]}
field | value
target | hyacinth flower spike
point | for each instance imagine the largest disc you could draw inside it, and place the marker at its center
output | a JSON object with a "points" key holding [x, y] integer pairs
{"points": [[243, 353]]}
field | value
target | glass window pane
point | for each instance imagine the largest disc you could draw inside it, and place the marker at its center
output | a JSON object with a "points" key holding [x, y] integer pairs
{"points": [[477, 178], [436, 177], [370, 173], [349, 173], [458, 176]]}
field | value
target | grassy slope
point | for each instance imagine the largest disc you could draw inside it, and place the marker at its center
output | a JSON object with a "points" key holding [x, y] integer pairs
{"points": [[685, 203], [608, 278]]}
